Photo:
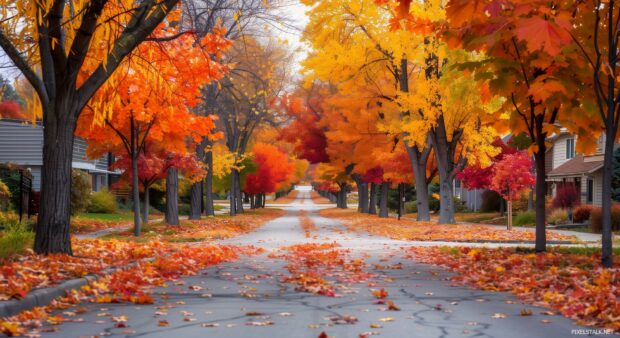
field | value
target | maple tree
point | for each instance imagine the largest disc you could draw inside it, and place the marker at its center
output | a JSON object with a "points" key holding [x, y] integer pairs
{"points": [[593, 30], [511, 176], [153, 109], [273, 168], [53, 47], [535, 72]]}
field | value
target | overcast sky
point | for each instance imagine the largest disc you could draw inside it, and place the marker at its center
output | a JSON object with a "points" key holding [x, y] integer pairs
{"points": [[293, 9]]}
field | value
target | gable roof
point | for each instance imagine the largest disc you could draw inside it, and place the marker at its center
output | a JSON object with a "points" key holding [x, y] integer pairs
{"points": [[578, 165]]}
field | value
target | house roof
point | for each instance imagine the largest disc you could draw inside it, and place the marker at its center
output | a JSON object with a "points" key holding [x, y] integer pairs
{"points": [[578, 165]]}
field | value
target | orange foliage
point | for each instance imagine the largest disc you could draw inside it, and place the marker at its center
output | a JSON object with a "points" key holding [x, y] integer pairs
{"points": [[575, 285]]}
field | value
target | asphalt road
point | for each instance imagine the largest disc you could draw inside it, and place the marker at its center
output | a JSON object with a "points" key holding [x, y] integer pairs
{"points": [[248, 298]]}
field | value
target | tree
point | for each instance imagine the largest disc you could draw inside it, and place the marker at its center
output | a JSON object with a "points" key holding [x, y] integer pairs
{"points": [[152, 109], [273, 168], [595, 31], [511, 176], [53, 47], [535, 72]]}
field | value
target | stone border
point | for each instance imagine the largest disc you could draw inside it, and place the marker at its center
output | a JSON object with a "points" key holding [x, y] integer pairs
{"points": [[43, 296]]}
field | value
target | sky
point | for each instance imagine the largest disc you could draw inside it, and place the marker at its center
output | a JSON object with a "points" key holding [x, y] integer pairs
{"points": [[292, 9]]}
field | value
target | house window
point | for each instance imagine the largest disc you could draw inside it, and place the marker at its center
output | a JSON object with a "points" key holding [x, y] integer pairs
{"points": [[590, 191], [570, 148]]}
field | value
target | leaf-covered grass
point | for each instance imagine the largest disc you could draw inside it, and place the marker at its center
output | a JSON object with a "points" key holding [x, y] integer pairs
{"points": [[208, 228], [570, 281]]}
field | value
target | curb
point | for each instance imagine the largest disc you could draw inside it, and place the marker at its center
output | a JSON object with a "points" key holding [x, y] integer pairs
{"points": [[42, 297]]}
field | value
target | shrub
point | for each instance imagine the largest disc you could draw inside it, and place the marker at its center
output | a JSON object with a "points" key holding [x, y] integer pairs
{"points": [[5, 196], [525, 218], [16, 238], [80, 191], [411, 207], [596, 219], [557, 216], [490, 201], [582, 213], [433, 204], [459, 205], [566, 197], [102, 202]]}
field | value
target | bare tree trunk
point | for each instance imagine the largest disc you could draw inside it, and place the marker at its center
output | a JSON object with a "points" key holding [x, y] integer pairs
{"points": [[418, 163], [362, 194], [238, 194], [53, 231], [607, 235], [172, 197], [195, 201], [541, 191], [145, 217], [372, 206], [383, 201], [342, 196], [401, 199]]}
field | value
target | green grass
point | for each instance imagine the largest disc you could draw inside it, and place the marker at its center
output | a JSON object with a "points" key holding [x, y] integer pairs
{"points": [[588, 251], [125, 216], [476, 217], [15, 239]]}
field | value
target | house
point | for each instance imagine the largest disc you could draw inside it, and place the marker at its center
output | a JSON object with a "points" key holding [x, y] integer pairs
{"points": [[21, 143], [566, 166]]}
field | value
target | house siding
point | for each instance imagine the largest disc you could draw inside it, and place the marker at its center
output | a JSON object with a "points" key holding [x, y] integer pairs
{"points": [[597, 199], [21, 143], [559, 150]]}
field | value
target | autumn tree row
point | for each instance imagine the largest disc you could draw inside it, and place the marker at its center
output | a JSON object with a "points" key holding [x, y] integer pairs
{"points": [[438, 81]]}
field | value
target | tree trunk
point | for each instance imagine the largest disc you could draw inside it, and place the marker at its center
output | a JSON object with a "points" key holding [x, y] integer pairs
{"points": [[135, 195], [362, 194], [53, 231], [209, 208], [232, 194], [147, 203], [372, 205], [383, 201], [342, 196], [418, 163], [446, 199], [509, 227], [195, 202], [401, 200], [172, 197], [238, 194], [607, 235], [541, 190]]}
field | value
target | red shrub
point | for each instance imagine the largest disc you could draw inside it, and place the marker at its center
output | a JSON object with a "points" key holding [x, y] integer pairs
{"points": [[582, 213], [596, 219], [566, 197]]}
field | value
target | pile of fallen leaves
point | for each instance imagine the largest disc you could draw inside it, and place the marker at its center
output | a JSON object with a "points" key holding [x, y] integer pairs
{"points": [[306, 224], [311, 264], [130, 282], [22, 273], [574, 285], [430, 231], [218, 227], [82, 226]]}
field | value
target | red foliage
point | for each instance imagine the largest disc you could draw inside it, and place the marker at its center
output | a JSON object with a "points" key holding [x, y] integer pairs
{"points": [[373, 175], [566, 197], [582, 213], [11, 110], [475, 177], [309, 140], [512, 175], [274, 168]]}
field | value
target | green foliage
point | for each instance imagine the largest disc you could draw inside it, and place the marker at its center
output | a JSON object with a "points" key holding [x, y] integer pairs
{"points": [[558, 216], [15, 237], [596, 219], [411, 207], [80, 191], [102, 202], [459, 205], [525, 218]]}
